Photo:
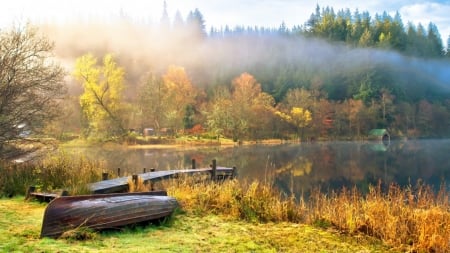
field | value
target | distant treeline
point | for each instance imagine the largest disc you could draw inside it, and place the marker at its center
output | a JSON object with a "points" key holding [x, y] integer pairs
{"points": [[359, 30], [337, 76]]}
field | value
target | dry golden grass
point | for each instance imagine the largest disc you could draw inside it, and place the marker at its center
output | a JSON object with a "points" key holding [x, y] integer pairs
{"points": [[413, 218], [409, 219], [54, 172], [138, 186], [248, 201]]}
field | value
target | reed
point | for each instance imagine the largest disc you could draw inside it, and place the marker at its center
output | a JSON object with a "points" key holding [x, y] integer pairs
{"points": [[63, 171], [54, 172], [138, 186], [15, 178], [409, 218], [253, 201]]}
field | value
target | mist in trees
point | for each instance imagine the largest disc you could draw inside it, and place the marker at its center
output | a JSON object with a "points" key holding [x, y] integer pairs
{"points": [[338, 75]]}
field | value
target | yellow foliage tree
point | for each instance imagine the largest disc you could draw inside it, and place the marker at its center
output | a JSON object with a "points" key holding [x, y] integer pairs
{"points": [[299, 117], [101, 101]]}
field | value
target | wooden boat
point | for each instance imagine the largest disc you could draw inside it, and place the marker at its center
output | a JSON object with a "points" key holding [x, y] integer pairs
{"points": [[104, 211]]}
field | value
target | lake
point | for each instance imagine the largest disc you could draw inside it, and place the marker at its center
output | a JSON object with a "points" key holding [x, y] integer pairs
{"points": [[298, 168]]}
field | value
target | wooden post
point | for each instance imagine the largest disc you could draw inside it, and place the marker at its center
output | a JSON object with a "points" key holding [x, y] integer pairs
{"points": [[233, 173], [30, 190], [193, 164], [150, 181], [135, 180], [145, 170], [105, 176], [118, 172], [213, 169], [151, 185], [65, 193]]}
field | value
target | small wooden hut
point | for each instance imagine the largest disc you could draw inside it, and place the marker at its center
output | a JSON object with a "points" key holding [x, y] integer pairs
{"points": [[380, 134]]}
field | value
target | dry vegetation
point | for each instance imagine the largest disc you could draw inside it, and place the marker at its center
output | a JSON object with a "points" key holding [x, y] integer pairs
{"points": [[408, 219], [54, 172], [414, 218]]}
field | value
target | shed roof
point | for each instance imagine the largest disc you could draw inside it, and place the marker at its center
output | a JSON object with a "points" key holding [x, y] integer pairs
{"points": [[378, 132]]}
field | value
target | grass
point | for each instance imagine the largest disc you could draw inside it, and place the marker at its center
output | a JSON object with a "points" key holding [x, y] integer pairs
{"points": [[20, 223], [248, 216], [408, 219]]}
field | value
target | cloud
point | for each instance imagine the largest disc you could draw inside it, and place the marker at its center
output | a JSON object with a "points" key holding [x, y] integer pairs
{"points": [[427, 12]]}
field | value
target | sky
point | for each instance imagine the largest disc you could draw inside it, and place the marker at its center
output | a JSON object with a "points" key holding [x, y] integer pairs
{"points": [[218, 13]]}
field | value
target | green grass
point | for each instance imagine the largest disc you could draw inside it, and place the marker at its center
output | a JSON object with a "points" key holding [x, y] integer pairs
{"points": [[20, 224]]}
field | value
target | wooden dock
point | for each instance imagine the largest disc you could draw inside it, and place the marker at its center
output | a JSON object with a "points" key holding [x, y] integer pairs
{"points": [[121, 184], [43, 196]]}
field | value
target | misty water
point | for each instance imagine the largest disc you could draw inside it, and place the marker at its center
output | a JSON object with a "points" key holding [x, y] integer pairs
{"points": [[298, 168]]}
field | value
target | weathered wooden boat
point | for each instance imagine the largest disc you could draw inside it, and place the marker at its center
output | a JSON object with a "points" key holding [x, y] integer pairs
{"points": [[104, 211]]}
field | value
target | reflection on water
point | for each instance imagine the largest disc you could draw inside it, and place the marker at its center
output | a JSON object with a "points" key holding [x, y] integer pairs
{"points": [[297, 168]]}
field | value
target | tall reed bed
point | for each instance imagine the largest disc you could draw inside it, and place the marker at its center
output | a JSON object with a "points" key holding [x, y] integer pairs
{"points": [[414, 218], [410, 218], [56, 171], [15, 178]]}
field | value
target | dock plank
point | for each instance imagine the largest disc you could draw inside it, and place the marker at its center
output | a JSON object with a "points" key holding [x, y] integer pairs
{"points": [[121, 183]]}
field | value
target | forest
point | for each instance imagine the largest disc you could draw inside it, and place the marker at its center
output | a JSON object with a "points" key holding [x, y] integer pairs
{"points": [[337, 76]]}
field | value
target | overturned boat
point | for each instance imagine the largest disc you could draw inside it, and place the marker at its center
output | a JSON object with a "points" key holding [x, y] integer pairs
{"points": [[104, 211]]}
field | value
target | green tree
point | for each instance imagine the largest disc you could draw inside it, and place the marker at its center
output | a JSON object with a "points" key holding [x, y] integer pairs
{"points": [[31, 83], [102, 102], [165, 20], [398, 34], [188, 119], [435, 47], [222, 121], [196, 23], [366, 39], [366, 91], [447, 52]]}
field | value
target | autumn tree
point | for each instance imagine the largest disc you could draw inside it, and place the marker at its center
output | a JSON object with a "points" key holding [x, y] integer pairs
{"points": [[322, 122], [243, 113], [30, 83], [354, 112], [251, 105], [102, 102], [299, 97], [178, 94], [298, 117]]}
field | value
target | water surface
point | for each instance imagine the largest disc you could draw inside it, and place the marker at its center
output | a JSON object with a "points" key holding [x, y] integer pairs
{"points": [[298, 168]]}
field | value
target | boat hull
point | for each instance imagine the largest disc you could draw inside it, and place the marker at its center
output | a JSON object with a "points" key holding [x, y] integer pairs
{"points": [[104, 211]]}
